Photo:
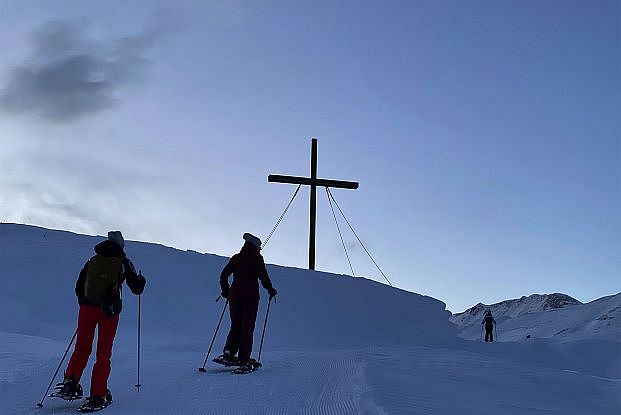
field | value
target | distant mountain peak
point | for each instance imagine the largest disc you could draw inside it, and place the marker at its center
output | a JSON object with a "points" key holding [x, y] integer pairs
{"points": [[518, 306], [555, 315], [559, 300]]}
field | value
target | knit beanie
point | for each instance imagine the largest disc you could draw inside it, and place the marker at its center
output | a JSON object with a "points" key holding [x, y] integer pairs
{"points": [[248, 237], [117, 238]]}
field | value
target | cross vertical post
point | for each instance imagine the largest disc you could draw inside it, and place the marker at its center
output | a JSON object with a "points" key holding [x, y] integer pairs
{"points": [[313, 206], [313, 182]]}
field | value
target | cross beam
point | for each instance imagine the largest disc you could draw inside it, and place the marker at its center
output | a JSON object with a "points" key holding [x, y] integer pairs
{"points": [[313, 182], [276, 178]]}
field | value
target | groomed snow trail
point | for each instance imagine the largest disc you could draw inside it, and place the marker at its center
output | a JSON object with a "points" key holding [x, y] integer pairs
{"points": [[374, 381], [421, 380], [322, 383]]}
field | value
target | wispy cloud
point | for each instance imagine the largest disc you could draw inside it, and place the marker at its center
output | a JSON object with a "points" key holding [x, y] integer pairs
{"points": [[69, 75]]}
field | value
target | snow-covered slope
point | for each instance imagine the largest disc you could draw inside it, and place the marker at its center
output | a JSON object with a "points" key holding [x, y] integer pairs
{"points": [[334, 345], [556, 316], [514, 308], [314, 310]]}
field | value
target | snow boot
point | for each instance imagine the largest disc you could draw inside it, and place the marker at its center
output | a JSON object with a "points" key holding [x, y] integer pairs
{"points": [[247, 367], [68, 390], [96, 403], [226, 359], [227, 355]]}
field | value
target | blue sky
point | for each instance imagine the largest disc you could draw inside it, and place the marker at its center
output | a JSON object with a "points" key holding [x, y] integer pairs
{"points": [[485, 135]]}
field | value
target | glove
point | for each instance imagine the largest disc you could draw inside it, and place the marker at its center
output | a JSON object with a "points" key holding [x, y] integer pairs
{"points": [[224, 289], [272, 292]]}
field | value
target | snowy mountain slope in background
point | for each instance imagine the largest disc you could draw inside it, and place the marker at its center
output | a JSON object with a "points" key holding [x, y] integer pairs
{"points": [[514, 308], [334, 344], [599, 319]]}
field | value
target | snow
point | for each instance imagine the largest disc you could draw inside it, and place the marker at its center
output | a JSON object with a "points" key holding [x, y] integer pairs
{"points": [[516, 307], [599, 319], [334, 344]]}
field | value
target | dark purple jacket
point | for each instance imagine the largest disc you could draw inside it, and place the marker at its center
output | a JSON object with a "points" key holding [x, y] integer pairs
{"points": [[248, 269]]}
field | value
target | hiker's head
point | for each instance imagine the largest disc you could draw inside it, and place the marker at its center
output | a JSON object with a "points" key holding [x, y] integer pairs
{"points": [[117, 238], [252, 242]]}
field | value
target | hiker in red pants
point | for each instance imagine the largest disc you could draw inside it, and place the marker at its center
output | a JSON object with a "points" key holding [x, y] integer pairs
{"points": [[247, 268], [98, 289]]}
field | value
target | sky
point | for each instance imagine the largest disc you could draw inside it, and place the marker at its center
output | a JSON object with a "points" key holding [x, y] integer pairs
{"points": [[485, 135]]}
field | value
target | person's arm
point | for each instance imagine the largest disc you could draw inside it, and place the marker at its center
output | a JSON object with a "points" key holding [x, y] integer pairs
{"points": [[79, 284], [135, 282], [224, 277], [265, 279]]}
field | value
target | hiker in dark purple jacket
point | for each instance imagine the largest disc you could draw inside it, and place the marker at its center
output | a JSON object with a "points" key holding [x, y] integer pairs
{"points": [[248, 269]]}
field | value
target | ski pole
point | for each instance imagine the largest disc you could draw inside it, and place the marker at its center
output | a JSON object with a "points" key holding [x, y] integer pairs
{"points": [[138, 385], [267, 313], [40, 404], [202, 369]]}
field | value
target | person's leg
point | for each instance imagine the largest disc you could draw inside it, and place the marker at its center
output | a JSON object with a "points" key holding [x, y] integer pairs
{"points": [[249, 317], [87, 320], [232, 340], [101, 370], [491, 334], [487, 332]]}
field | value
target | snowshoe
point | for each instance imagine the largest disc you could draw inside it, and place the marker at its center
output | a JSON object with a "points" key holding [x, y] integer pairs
{"points": [[226, 360], [96, 403], [68, 390], [247, 367]]}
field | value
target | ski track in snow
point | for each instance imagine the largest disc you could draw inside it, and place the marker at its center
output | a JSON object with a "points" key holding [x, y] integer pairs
{"points": [[321, 383], [449, 381], [375, 381]]}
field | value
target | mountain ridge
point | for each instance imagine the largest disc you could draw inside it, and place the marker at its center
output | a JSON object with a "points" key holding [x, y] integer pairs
{"points": [[525, 304], [557, 316]]}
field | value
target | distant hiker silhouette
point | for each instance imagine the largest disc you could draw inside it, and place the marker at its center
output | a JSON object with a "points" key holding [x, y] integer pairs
{"points": [[98, 289], [247, 268], [489, 322]]}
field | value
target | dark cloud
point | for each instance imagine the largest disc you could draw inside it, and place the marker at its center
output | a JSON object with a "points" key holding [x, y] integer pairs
{"points": [[68, 75]]}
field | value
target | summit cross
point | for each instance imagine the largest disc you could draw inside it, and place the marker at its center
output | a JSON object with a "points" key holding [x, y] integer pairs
{"points": [[313, 182]]}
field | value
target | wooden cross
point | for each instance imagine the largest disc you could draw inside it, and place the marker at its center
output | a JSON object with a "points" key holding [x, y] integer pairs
{"points": [[313, 182]]}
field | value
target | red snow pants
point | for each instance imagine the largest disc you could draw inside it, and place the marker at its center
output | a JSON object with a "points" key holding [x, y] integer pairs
{"points": [[90, 317], [243, 317]]}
